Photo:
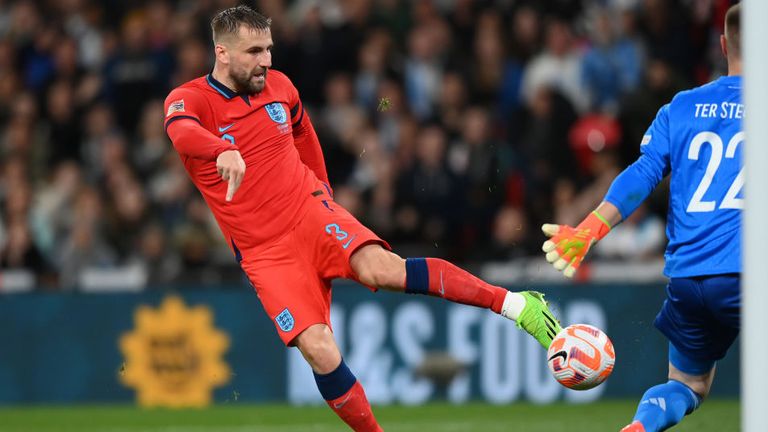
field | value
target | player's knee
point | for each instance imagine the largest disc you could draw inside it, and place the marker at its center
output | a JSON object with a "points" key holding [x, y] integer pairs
{"points": [[699, 387], [700, 384], [380, 268], [319, 348], [318, 353]]}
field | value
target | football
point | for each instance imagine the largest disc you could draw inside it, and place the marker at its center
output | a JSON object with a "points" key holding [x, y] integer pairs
{"points": [[581, 357]]}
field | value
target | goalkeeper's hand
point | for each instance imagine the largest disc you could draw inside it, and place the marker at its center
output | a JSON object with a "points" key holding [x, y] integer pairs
{"points": [[568, 246]]}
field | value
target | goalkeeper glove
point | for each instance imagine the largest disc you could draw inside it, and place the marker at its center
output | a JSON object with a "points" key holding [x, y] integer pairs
{"points": [[567, 246]]}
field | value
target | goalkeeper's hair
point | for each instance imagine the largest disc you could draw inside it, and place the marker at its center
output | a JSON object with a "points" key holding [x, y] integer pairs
{"points": [[733, 30], [228, 21]]}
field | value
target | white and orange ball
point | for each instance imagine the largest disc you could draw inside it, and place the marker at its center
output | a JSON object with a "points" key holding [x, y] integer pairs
{"points": [[581, 357]]}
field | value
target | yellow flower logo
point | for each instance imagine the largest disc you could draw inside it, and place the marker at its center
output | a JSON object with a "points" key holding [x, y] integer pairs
{"points": [[173, 357]]}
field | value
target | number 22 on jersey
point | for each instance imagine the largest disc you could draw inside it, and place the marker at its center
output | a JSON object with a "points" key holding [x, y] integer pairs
{"points": [[730, 201]]}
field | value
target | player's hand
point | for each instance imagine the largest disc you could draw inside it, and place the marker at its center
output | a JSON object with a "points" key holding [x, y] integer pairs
{"points": [[231, 168], [568, 246]]}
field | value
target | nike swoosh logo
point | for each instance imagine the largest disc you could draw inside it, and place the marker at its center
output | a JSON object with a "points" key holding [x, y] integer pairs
{"points": [[442, 288], [346, 245], [225, 128], [562, 354], [342, 403]]}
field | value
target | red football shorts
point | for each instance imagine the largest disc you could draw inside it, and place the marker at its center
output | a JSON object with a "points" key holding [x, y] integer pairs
{"points": [[292, 276]]}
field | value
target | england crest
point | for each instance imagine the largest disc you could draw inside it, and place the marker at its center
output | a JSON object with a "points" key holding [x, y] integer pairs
{"points": [[276, 112], [285, 320]]}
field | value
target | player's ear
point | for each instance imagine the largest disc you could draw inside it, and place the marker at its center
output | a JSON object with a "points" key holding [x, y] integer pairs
{"points": [[222, 54], [723, 45]]}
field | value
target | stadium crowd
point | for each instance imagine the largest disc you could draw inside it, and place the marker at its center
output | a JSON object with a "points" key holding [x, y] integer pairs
{"points": [[452, 128]]}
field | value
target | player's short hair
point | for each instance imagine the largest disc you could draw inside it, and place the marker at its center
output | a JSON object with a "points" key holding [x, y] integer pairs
{"points": [[733, 29], [228, 21]]}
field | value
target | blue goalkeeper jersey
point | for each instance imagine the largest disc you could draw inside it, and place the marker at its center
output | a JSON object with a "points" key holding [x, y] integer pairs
{"points": [[697, 139]]}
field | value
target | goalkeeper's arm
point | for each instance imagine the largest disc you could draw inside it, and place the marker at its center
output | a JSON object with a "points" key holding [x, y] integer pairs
{"points": [[567, 246]]}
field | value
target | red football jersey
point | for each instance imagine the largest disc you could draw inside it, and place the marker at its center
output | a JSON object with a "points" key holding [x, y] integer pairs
{"points": [[276, 140]]}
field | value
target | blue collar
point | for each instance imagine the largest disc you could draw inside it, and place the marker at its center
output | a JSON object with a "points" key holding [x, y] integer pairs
{"points": [[224, 90], [219, 87]]}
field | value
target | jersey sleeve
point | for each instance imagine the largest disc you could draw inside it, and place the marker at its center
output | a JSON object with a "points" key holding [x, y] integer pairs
{"points": [[184, 111], [637, 181], [304, 136]]}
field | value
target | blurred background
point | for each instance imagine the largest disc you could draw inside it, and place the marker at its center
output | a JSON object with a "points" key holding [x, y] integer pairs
{"points": [[452, 128]]}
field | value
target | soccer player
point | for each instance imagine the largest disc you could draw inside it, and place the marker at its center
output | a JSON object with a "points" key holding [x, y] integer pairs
{"points": [[250, 148], [697, 139]]}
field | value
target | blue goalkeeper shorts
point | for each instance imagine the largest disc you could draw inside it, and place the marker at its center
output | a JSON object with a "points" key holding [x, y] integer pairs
{"points": [[701, 319]]}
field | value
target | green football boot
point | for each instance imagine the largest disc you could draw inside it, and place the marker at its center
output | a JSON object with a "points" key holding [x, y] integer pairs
{"points": [[537, 319]]}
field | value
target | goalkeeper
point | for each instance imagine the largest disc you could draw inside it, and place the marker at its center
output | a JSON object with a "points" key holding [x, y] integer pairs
{"points": [[697, 140]]}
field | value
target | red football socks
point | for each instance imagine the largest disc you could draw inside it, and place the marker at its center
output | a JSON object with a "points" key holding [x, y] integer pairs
{"points": [[439, 278], [354, 409]]}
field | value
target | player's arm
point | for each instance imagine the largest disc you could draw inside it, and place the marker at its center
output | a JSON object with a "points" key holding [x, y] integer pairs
{"points": [[190, 139], [305, 138], [568, 246]]}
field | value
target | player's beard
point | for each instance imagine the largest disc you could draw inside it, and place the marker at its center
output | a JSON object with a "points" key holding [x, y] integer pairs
{"points": [[245, 83]]}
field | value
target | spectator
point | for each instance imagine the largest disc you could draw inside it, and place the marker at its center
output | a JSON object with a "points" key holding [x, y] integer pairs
{"points": [[392, 115], [20, 252], [127, 215], [545, 150], [639, 108], [559, 67], [526, 33], [510, 237], [99, 125], [52, 216], [84, 246], [423, 72], [373, 64], [665, 26], [474, 157], [428, 206], [137, 72], [169, 190], [452, 102], [152, 144], [612, 63], [64, 124], [496, 78], [340, 104], [161, 265], [191, 61]]}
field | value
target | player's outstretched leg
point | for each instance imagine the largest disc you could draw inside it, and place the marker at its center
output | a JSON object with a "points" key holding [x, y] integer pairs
{"points": [[665, 405], [380, 268], [339, 387]]}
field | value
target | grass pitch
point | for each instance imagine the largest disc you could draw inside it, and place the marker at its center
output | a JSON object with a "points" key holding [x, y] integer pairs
{"points": [[715, 415]]}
